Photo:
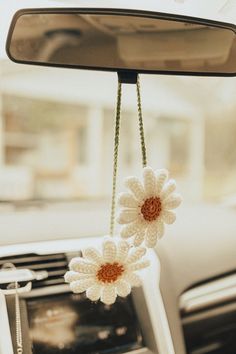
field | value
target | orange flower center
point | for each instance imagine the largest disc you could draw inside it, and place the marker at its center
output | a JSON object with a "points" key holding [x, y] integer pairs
{"points": [[110, 272], [151, 208]]}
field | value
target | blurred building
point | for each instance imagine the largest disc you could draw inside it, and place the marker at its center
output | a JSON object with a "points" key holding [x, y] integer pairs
{"points": [[56, 131]]}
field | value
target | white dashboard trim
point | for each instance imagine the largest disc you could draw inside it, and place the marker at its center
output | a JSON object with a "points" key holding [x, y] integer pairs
{"points": [[210, 294], [151, 280], [5, 334]]}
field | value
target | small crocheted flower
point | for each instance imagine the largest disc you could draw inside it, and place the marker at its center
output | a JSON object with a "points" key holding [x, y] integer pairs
{"points": [[148, 206], [104, 276]]}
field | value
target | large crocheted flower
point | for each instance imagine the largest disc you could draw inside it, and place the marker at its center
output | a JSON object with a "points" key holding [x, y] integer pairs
{"points": [[104, 276], [148, 206]]}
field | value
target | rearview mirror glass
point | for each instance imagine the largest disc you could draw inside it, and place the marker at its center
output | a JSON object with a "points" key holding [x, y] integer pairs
{"points": [[122, 40]]}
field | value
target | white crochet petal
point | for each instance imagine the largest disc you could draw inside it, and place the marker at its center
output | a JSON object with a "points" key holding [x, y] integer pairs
{"points": [[133, 279], [130, 229], [168, 216], [123, 288], [151, 242], [173, 201], [162, 176], [109, 250], [139, 238], [160, 228], [136, 187], [137, 266], [127, 200], [80, 286], [73, 276], [151, 235], [108, 296], [79, 265], [92, 255], [127, 215], [94, 292], [149, 181], [122, 251], [136, 254], [169, 188]]}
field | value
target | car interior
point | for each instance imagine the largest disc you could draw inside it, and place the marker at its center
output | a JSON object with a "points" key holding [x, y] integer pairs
{"points": [[113, 115]]}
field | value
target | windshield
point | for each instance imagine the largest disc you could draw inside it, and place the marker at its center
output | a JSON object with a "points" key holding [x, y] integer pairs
{"points": [[57, 129]]}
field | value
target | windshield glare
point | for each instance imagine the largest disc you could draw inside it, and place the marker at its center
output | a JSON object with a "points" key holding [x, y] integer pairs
{"points": [[57, 130]]}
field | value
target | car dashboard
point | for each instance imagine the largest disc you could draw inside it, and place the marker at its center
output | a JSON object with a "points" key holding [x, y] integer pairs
{"points": [[186, 303]]}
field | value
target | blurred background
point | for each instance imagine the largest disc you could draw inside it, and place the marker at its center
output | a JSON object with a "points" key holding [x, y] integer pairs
{"points": [[57, 128]]}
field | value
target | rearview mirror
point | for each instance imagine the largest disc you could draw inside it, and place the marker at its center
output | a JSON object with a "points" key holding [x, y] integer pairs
{"points": [[122, 40]]}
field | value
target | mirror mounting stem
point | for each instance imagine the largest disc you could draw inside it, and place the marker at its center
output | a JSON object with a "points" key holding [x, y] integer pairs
{"points": [[127, 77]]}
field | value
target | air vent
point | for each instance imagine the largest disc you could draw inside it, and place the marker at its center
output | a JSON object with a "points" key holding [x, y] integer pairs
{"points": [[55, 264], [208, 314]]}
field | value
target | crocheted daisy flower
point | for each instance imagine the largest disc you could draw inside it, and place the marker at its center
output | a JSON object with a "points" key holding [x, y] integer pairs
{"points": [[108, 274], [148, 206]]}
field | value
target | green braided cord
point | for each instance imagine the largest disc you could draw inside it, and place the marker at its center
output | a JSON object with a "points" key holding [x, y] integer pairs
{"points": [[141, 129], [115, 158], [116, 146]]}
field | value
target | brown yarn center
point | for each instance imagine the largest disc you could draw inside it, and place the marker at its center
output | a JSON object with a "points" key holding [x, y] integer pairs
{"points": [[110, 272], [151, 208]]}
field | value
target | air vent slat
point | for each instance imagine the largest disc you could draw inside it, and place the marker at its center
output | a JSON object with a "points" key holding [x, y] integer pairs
{"points": [[32, 258], [55, 264], [49, 282], [56, 273], [46, 266]]}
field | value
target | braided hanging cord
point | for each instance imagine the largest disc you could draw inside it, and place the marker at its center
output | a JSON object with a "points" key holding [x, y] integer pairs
{"points": [[141, 129], [116, 146], [115, 157]]}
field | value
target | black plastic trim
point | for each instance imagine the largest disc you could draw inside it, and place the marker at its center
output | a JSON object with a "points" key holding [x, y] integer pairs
{"points": [[125, 77]]}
